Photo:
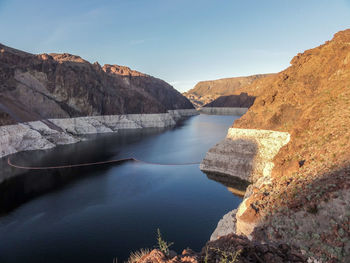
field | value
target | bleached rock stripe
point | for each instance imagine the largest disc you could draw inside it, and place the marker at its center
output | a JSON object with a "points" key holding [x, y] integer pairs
{"points": [[245, 153], [36, 135]]}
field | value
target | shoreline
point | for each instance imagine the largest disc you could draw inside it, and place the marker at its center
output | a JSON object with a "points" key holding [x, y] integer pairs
{"points": [[38, 135]]}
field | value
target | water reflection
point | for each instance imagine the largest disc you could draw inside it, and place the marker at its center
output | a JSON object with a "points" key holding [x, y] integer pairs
{"points": [[235, 185], [93, 214]]}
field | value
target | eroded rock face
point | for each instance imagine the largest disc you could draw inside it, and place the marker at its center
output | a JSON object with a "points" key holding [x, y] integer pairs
{"points": [[246, 154], [304, 200], [37, 135], [35, 87]]}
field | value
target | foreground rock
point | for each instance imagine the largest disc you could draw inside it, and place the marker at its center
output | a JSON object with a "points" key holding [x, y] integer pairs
{"points": [[46, 86], [231, 248], [304, 199]]}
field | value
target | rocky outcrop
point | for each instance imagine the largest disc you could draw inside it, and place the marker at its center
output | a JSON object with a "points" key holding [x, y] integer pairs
{"points": [[230, 248], [226, 226], [46, 86], [246, 154], [38, 135], [207, 91], [303, 199]]}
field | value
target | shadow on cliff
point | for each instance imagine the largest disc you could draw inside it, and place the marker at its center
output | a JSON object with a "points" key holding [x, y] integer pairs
{"points": [[310, 213]]}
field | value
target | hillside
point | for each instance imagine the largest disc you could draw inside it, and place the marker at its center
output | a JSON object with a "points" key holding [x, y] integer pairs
{"points": [[305, 200], [63, 85], [206, 91]]}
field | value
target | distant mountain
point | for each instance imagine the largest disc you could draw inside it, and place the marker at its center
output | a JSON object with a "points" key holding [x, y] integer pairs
{"points": [[44, 86], [242, 100], [206, 91]]}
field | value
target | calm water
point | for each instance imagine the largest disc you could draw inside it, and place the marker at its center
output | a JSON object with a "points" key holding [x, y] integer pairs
{"points": [[107, 211]]}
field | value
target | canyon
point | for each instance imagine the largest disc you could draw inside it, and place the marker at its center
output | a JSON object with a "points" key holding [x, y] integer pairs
{"points": [[54, 99], [293, 147]]}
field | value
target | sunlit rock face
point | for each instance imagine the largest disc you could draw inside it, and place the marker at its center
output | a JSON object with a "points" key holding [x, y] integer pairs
{"points": [[245, 153]]}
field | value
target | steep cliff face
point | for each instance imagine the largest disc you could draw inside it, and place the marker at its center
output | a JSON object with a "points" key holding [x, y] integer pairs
{"points": [[304, 199], [62, 85], [206, 91]]}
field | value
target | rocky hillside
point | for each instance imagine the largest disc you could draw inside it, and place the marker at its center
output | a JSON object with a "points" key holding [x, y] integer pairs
{"points": [[293, 145], [44, 86], [207, 91], [308, 200], [242, 100]]}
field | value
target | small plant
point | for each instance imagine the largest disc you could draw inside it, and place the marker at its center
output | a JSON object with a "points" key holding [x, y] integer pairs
{"points": [[135, 256], [227, 257], [162, 244]]}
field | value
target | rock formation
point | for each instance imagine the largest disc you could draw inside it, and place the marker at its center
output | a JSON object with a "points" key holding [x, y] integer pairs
{"points": [[35, 87], [206, 91], [299, 193]]}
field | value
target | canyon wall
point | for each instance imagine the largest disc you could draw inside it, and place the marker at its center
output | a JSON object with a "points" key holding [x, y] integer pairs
{"points": [[46, 86], [37, 135], [304, 201]]}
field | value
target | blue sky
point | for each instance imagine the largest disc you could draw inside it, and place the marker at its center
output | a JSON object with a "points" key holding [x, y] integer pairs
{"points": [[180, 41]]}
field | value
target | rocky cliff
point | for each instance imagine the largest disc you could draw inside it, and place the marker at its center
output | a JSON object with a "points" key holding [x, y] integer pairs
{"points": [[206, 91], [35, 87], [302, 199]]}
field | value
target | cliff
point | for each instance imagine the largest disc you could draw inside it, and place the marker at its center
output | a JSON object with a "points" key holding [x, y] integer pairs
{"points": [[206, 91], [35, 87], [302, 197]]}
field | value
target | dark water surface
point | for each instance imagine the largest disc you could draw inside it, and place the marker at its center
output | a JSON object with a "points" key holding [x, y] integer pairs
{"points": [[113, 209]]}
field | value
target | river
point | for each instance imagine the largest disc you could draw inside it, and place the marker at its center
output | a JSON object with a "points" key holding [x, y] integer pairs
{"points": [[95, 214]]}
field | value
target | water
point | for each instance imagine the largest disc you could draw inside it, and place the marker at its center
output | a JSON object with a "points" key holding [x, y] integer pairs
{"points": [[107, 211]]}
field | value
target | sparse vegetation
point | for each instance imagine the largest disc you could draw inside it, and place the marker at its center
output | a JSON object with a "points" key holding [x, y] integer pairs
{"points": [[162, 244], [135, 256]]}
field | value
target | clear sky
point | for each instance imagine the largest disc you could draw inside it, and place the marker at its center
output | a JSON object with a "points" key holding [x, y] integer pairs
{"points": [[180, 41]]}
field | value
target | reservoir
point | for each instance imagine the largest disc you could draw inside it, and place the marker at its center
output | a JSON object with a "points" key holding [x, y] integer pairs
{"points": [[97, 213]]}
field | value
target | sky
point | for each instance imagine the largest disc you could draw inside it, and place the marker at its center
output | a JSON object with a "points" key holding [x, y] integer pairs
{"points": [[179, 41]]}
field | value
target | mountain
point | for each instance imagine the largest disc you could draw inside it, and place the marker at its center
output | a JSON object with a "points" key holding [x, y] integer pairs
{"points": [[293, 145], [53, 85], [206, 91]]}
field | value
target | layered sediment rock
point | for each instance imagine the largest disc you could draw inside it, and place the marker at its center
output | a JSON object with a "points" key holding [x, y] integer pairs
{"points": [[245, 153], [38, 135]]}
